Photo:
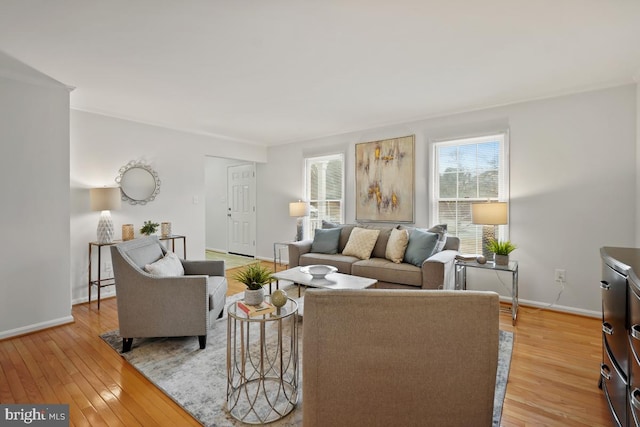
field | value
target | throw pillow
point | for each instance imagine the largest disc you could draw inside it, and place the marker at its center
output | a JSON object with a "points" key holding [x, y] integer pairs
{"points": [[325, 241], [329, 224], [361, 243], [441, 231], [167, 266], [422, 245], [397, 245]]}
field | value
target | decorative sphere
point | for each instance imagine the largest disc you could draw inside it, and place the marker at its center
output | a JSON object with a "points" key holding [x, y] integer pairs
{"points": [[481, 259], [279, 298]]}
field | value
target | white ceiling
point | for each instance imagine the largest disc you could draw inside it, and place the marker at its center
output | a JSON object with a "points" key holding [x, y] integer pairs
{"points": [[277, 71]]}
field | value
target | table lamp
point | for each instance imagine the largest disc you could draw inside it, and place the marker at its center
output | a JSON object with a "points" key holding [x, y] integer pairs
{"points": [[299, 210], [105, 199], [490, 215]]}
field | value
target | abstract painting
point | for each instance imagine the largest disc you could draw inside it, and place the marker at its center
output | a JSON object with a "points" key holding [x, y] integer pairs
{"points": [[385, 180]]}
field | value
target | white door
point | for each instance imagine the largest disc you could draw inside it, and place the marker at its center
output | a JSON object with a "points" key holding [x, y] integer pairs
{"points": [[241, 189]]}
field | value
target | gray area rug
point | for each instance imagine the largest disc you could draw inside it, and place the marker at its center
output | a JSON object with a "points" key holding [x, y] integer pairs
{"points": [[197, 379]]}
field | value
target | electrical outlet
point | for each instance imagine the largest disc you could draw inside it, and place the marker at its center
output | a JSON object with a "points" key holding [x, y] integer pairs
{"points": [[561, 275]]}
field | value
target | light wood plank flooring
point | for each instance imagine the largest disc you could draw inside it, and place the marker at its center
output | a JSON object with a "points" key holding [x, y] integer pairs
{"points": [[552, 382]]}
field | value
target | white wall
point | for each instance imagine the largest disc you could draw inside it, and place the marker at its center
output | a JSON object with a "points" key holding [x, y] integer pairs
{"points": [[34, 177], [573, 177], [101, 145]]}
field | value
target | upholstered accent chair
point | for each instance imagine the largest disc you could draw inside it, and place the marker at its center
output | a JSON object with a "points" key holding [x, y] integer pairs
{"points": [[165, 306], [380, 357]]}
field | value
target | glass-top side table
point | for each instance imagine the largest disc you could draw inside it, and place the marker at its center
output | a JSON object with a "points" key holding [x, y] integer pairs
{"points": [[262, 364], [512, 267]]}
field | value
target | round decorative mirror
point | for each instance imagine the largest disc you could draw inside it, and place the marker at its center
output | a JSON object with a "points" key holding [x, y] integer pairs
{"points": [[139, 183]]}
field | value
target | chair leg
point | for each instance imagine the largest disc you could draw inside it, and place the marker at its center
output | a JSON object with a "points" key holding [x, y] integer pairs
{"points": [[203, 341], [126, 344]]}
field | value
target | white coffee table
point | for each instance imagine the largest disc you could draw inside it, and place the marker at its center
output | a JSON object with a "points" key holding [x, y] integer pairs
{"points": [[331, 281]]}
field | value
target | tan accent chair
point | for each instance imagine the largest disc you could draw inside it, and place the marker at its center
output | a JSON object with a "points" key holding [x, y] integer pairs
{"points": [[152, 306], [382, 357]]}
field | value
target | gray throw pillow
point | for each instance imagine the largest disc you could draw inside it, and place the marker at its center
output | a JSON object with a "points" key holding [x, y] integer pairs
{"points": [[422, 245], [326, 241], [329, 224], [441, 231]]}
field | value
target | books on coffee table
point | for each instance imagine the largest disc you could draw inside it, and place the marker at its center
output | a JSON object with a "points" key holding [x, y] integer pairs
{"points": [[256, 310]]}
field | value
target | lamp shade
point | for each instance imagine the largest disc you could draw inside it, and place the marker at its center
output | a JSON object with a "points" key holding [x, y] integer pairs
{"points": [[105, 198], [490, 213], [298, 209]]}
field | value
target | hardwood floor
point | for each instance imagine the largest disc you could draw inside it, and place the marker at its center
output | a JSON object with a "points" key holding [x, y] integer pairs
{"points": [[552, 382]]}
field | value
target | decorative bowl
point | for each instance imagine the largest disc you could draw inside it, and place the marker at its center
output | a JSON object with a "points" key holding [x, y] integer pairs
{"points": [[318, 271]]}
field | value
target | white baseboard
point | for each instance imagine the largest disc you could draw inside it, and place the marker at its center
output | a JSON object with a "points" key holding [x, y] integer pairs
{"points": [[104, 294], [36, 327], [554, 307], [224, 251]]}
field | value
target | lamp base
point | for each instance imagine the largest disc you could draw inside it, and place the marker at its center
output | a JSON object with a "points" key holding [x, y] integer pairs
{"points": [[105, 228], [488, 234], [299, 229]]}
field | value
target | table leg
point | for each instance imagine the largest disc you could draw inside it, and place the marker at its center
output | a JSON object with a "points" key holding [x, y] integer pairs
{"points": [[90, 247], [99, 281]]}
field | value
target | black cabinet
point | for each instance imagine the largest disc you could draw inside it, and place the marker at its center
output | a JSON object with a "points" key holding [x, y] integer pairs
{"points": [[620, 369]]}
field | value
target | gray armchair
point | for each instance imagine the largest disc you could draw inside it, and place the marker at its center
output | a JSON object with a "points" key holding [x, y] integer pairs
{"points": [[152, 306]]}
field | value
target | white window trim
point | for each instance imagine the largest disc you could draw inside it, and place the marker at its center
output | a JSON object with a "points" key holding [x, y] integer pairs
{"points": [[504, 175], [307, 195]]}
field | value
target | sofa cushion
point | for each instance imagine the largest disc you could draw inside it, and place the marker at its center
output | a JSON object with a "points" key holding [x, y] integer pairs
{"points": [[384, 270], [168, 266], [421, 245], [361, 243], [341, 262], [396, 245], [325, 241]]}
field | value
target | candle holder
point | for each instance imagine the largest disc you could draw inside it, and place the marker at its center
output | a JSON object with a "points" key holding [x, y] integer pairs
{"points": [[127, 232], [165, 229]]}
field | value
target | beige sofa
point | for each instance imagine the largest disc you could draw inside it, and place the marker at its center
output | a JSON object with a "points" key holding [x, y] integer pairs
{"points": [[427, 367], [436, 272]]}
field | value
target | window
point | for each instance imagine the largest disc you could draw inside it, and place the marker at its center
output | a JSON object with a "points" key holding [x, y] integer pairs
{"points": [[324, 190], [467, 171]]}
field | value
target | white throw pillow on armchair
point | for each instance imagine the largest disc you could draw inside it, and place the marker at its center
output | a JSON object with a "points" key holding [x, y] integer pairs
{"points": [[167, 266]]}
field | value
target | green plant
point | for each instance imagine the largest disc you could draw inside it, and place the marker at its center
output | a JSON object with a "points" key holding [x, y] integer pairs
{"points": [[149, 228], [501, 248], [254, 276]]}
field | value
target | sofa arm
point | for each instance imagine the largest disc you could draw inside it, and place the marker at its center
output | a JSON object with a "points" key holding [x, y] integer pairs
{"points": [[296, 250], [438, 271], [207, 268]]}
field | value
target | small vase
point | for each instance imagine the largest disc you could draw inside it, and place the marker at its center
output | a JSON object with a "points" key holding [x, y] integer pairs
{"points": [[254, 296], [501, 259]]}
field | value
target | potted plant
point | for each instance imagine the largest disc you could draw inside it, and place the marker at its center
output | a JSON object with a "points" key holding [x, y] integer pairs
{"points": [[149, 228], [254, 277], [501, 251]]}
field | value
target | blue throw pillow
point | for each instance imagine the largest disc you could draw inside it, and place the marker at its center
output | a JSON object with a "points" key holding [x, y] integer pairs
{"points": [[326, 241], [421, 246]]}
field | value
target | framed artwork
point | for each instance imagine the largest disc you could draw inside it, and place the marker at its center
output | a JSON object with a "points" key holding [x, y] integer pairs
{"points": [[385, 180]]}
